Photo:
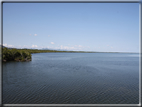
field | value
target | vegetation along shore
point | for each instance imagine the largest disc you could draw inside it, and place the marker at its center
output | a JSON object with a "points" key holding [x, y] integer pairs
{"points": [[13, 54]]}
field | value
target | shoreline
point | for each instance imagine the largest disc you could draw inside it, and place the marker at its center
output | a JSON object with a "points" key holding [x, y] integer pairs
{"points": [[24, 55]]}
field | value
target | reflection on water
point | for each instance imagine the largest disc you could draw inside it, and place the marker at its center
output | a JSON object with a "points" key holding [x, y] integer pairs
{"points": [[72, 78]]}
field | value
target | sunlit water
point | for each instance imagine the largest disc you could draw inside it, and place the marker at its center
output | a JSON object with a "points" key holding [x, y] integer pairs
{"points": [[72, 78]]}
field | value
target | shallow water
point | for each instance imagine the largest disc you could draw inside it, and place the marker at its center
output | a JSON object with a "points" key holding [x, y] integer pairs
{"points": [[72, 78]]}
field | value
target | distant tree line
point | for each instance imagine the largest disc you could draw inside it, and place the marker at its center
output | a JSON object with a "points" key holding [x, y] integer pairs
{"points": [[13, 54]]}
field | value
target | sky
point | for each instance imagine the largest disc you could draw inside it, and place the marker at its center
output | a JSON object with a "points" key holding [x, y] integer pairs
{"points": [[103, 27]]}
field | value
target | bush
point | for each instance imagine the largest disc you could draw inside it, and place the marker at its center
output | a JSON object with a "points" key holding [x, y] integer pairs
{"points": [[15, 55]]}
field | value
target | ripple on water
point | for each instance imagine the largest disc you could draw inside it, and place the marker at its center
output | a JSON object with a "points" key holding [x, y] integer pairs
{"points": [[75, 80]]}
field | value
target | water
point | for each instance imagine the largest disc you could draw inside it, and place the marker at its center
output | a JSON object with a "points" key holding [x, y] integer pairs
{"points": [[72, 78]]}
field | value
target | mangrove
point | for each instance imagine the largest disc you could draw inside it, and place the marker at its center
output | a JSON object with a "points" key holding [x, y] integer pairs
{"points": [[14, 54]]}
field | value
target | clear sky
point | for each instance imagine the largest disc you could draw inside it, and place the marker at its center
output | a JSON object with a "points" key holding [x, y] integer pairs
{"points": [[105, 27]]}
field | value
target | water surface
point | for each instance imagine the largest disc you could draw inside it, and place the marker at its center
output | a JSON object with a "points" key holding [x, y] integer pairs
{"points": [[72, 78]]}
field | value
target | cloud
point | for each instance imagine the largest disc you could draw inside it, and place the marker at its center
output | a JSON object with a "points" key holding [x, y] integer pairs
{"points": [[8, 45], [70, 47], [5, 44], [35, 34], [62, 47], [79, 46], [34, 46], [52, 43]]}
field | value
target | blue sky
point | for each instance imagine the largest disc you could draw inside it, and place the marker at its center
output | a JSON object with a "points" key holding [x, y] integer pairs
{"points": [[104, 27]]}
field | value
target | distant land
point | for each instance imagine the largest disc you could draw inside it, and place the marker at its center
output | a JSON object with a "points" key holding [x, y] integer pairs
{"points": [[14, 54], [60, 50]]}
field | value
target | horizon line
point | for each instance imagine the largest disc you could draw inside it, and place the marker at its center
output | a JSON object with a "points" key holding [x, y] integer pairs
{"points": [[71, 50]]}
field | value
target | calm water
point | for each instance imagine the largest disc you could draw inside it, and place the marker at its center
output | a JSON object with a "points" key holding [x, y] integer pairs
{"points": [[72, 78]]}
